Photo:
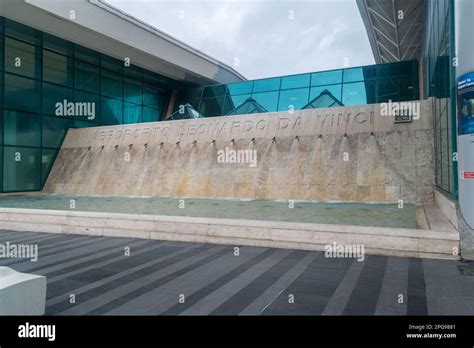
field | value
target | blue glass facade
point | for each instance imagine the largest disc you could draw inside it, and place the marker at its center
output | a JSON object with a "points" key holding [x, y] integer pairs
{"points": [[440, 84], [351, 86], [37, 71]]}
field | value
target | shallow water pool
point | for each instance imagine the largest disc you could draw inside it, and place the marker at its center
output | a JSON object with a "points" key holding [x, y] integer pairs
{"points": [[362, 214]]}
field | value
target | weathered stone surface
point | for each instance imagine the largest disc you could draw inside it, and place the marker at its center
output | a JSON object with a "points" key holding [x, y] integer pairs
{"points": [[344, 154]]}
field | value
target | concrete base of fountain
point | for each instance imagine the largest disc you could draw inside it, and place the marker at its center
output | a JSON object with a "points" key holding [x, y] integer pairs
{"points": [[336, 154]]}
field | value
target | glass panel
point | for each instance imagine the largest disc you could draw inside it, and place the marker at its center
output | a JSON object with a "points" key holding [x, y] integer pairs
{"points": [[354, 74], [150, 115], [330, 82], [86, 55], [240, 87], [326, 77], [387, 70], [1, 92], [54, 97], [57, 68], [295, 81], [407, 68], [22, 32], [54, 130], [214, 91], [22, 58], [249, 106], [388, 89], [155, 80], [407, 90], [1, 168], [112, 64], [22, 128], [268, 100], [1, 131], [132, 90], [86, 77], [212, 107], [232, 102], [47, 160], [335, 90], [152, 97], [265, 85], [293, 99], [110, 111], [1, 58], [57, 45], [186, 94], [93, 105], [21, 168], [358, 93], [132, 113], [193, 103], [133, 72], [22, 93], [82, 124], [111, 84]]}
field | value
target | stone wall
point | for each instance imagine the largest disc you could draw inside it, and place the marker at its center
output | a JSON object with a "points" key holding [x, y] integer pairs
{"points": [[342, 154]]}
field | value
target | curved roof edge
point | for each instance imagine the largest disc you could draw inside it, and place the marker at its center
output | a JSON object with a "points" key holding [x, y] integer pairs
{"points": [[112, 9], [104, 28]]}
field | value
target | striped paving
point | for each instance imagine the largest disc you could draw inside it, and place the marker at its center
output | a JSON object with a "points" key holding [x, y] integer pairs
{"points": [[177, 278]]}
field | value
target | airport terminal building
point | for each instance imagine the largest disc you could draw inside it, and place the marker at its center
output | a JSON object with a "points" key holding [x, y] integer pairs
{"points": [[84, 63]]}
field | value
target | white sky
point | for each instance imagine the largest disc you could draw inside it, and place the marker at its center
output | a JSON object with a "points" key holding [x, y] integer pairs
{"points": [[260, 33]]}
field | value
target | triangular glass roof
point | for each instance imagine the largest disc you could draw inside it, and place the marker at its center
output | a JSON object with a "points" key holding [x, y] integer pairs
{"points": [[189, 113], [249, 106], [324, 100]]}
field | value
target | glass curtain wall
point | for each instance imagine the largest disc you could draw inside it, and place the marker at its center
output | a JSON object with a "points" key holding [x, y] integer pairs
{"points": [[440, 82], [351, 86], [38, 71]]}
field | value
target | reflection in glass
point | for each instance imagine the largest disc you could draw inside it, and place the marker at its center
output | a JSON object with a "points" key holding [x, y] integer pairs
{"points": [[295, 81], [232, 102], [387, 89], [240, 87], [269, 100], [325, 99], [335, 90], [111, 84], [358, 93], [54, 130], [21, 175], [53, 94], [293, 99], [22, 128], [326, 77], [249, 106], [212, 107], [47, 160], [266, 85], [185, 112], [21, 58], [132, 113], [111, 110], [57, 68], [86, 77], [18, 89], [132, 91]]}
